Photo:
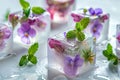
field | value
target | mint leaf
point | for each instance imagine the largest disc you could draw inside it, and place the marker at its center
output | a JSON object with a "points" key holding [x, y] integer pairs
{"points": [[109, 48], [7, 15], [80, 26], [37, 10], [24, 4], [23, 60], [71, 34], [33, 59], [32, 50], [108, 53], [115, 61], [80, 36], [26, 12]]}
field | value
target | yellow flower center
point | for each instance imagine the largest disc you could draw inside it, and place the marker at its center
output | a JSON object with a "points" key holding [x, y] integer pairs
{"points": [[26, 34]]}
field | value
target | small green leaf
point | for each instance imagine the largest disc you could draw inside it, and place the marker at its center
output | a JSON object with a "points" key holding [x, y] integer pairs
{"points": [[105, 53], [80, 26], [6, 15], [26, 12], [32, 50], [115, 61], [109, 48], [80, 36], [37, 10], [23, 60], [24, 4], [33, 59], [71, 34]]}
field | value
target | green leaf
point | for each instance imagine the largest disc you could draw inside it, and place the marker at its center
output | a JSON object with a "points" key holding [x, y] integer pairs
{"points": [[23, 60], [71, 34], [105, 53], [80, 26], [26, 12], [37, 10], [115, 61], [24, 4], [109, 48], [32, 50], [33, 59], [6, 15], [80, 36]]}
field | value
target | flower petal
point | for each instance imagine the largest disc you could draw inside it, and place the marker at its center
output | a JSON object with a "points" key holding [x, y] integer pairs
{"points": [[69, 69], [98, 11], [7, 33], [20, 32], [78, 61], [76, 17], [32, 32], [96, 35], [25, 26], [91, 11], [25, 39]]}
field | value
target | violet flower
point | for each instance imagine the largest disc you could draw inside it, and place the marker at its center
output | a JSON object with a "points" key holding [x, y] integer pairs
{"points": [[104, 17], [71, 65], [5, 34], [96, 28], [57, 45], [96, 11], [76, 17], [118, 37], [26, 32]]}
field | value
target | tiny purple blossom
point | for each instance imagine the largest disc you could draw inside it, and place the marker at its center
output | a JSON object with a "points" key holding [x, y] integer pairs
{"points": [[26, 32], [96, 11], [96, 28], [5, 34], [118, 37], [71, 65], [76, 17]]}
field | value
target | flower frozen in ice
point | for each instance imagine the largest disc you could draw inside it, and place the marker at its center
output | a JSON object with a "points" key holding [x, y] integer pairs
{"points": [[96, 11], [76, 17], [37, 23], [5, 34], [26, 32], [57, 45], [104, 17], [71, 65], [118, 37], [96, 28]]}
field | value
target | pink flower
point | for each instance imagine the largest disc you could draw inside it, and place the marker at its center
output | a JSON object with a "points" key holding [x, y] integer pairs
{"points": [[76, 17], [57, 45], [104, 17], [118, 37]]}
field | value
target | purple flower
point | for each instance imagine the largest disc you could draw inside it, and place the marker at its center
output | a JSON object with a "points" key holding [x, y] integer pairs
{"points": [[96, 11], [96, 28], [71, 65], [118, 37], [57, 45], [104, 17], [26, 32], [5, 34], [76, 17]]}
